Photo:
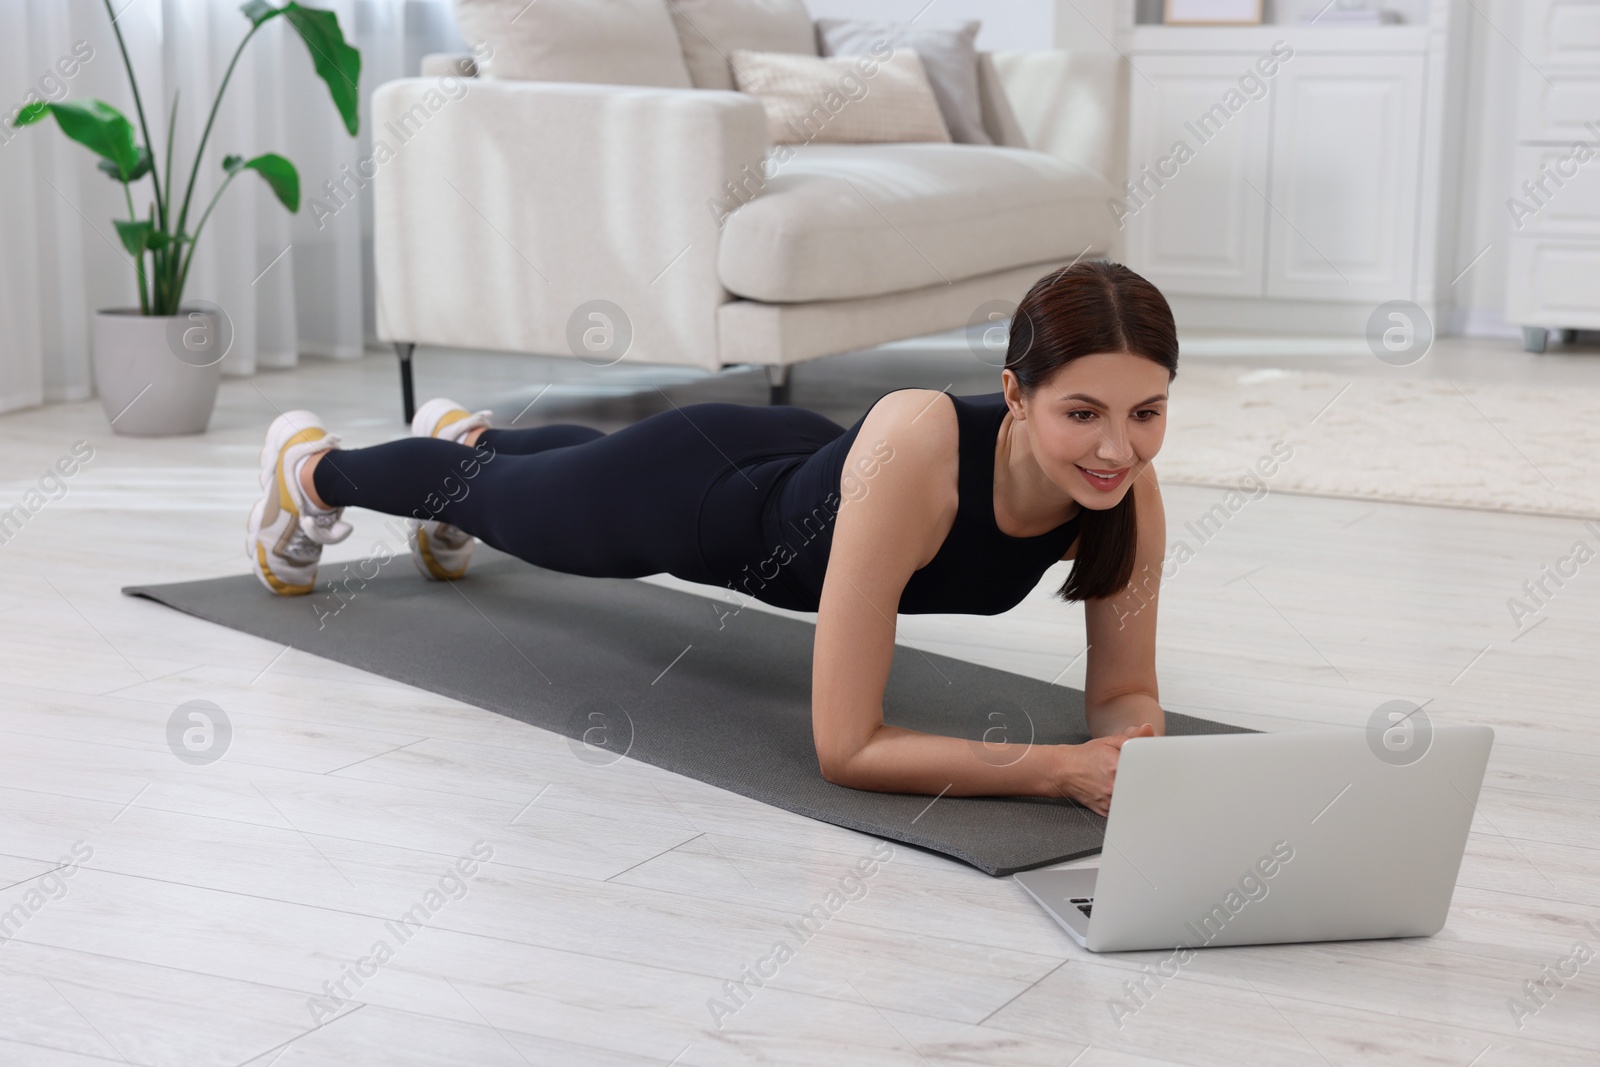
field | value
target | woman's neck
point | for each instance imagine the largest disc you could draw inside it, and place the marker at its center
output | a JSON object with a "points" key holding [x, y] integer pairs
{"points": [[1026, 502]]}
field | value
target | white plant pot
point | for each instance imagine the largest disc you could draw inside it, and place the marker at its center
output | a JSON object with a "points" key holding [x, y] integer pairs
{"points": [[158, 374]]}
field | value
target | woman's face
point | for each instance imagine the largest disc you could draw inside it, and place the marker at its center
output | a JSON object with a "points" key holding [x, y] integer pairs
{"points": [[1103, 414]]}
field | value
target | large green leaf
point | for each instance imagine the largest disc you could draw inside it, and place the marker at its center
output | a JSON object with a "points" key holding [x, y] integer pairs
{"points": [[336, 62], [140, 169], [135, 235], [278, 172], [96, 125], [35, 111]]}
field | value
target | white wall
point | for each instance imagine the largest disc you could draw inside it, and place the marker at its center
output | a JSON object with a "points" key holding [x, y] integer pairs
{"points": [[1086, 25]]}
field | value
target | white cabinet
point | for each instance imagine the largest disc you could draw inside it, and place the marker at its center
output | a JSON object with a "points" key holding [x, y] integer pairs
{"points": [[1554, 271], [1196, 218], [1324, 193], [1344, 174]]}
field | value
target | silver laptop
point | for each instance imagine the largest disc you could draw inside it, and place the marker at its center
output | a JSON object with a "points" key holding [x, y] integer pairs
{"points": [[1246, 839]]}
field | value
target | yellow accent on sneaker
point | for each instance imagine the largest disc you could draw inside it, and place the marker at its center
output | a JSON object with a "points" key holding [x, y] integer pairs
{"points": [[282, 542], [446, 420], [450, 419], [276, 584], [435, 568], [286, 499]]}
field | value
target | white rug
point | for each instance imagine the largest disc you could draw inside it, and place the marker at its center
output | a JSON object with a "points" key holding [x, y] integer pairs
{"points": [[1416, 441]]}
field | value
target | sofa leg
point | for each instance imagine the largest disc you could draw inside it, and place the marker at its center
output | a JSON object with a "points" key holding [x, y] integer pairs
{"points": [[408, 396], [778, 380], [1534, 338]]}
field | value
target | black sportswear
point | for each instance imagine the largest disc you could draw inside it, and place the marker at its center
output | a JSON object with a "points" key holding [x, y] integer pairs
{"points": [[724, 494]]}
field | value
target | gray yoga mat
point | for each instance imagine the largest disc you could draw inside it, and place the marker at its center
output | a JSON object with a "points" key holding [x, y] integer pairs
{"points": [[688, 683]]}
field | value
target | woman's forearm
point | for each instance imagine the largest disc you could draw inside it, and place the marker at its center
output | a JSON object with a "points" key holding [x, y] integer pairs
{"points": [[897, 760], [1131, 709]]}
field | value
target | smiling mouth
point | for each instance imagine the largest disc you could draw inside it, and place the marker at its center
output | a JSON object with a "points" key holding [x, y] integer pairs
{"points": [[1103, 479]]}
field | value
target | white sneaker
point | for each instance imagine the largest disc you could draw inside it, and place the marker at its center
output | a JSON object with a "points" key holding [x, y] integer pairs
{"points": [[286, 530], [441, 551]]}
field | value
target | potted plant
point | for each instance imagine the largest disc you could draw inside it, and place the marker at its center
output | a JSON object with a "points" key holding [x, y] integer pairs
{"points": [[156, 367]]}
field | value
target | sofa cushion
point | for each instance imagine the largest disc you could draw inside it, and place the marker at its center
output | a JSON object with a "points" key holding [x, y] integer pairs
{"points": [[712, 30], [843, 221], [612, 42], [947, 52], [848, 99]]}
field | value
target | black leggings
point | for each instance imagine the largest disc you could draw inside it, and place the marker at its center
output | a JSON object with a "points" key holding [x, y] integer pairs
{"points": [[682, 492]]}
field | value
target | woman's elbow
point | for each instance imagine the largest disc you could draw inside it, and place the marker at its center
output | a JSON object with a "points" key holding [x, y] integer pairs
{"points": [[843, 755], [841, 763], [837, 768]]}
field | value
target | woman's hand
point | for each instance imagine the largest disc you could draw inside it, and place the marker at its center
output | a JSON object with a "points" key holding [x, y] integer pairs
{"points": [[1089, 770]]}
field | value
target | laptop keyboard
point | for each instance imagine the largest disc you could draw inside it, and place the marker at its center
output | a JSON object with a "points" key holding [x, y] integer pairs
{"points": [[1085, 904]]}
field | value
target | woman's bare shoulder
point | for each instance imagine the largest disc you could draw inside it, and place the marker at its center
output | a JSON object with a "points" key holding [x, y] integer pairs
{"points": [[921, 420], [901, 478]]}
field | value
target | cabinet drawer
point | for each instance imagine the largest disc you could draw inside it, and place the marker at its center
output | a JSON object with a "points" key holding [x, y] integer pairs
{"points": [[1554, 283], [1555, 105], [1561, 32], [1568, 210]]}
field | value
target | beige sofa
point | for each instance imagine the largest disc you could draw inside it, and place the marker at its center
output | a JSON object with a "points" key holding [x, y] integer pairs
{"points": [[508, 208]]}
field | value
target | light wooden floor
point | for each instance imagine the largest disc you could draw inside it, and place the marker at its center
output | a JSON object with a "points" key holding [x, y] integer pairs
{"points": [[218, 900]]}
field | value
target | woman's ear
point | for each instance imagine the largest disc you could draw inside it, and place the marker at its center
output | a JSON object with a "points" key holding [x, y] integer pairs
{"points": [[1011, 387]]}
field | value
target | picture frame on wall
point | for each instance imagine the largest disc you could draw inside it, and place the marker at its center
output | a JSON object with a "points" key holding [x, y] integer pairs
{"points": [[1212, 12]]}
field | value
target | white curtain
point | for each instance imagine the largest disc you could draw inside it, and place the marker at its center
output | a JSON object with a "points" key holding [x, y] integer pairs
{"points": [[292, 285]]}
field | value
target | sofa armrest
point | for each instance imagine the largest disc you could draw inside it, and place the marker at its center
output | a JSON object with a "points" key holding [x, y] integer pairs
{"points": [[1071, 105], [500, 207]]}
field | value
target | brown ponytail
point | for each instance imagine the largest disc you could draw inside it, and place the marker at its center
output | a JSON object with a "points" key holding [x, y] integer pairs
{"points": [[1082, 310]]}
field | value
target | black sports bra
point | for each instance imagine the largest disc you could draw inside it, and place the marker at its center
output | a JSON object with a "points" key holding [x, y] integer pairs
{"points": [[978, 570]]}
